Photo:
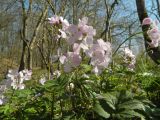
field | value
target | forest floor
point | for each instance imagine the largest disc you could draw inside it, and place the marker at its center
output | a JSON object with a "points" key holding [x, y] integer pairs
{"points": [[5, 65]]}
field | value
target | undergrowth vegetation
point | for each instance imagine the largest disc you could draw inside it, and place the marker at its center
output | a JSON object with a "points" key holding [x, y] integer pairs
{"points": [[87, 84]]}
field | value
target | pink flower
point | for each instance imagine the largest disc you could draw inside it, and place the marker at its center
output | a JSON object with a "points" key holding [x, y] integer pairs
{"points": [[62, 59], [129, 59], [96, 70], [105, 45], [85, 29], [100, 54], [154, 43], [21, 86], [76, 48], [131, 66], [81, 36], [128, 52], [63, 34], [59, 20], [65, 23], [86, 44], [57, 73], [27, 74], [105, 62], [74, 59], [100, 59], [74, 34], [54, 20], [72, 29], [1, 102], [156, 22], [70, 61], [147, 21], [154, 33], [83, 22], [88, 31], [17, 78], [42, 80]]}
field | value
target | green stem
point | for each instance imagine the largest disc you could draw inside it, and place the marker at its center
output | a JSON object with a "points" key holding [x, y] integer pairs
{"points": [[61, 106], [52, 107]]}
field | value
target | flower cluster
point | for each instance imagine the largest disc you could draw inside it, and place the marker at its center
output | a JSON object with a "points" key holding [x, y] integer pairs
{"points": [[44, 78], [17, 78], [2, 91], [61, 22], [56, 20], [80, 39], [129, 58], [153, 32], [1, 100]]}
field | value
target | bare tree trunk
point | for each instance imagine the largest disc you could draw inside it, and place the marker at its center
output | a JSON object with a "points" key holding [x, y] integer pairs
{"points": [[46, 62], [130, 33], [32, 42], [109, 12], [23, 37], [73, 10], [154, 53], [42, 63], [23, 56], [158, 7], [29, 59]]}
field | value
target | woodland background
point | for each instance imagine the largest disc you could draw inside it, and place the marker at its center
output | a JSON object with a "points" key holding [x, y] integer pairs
{"points": [[28, 41]]}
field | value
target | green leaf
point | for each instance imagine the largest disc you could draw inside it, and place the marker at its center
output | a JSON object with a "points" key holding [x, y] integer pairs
{"points": [[156, 112], [110, 99], [30, 110], [132, 104], [98, 109], [86, 68], [130, 114]]}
